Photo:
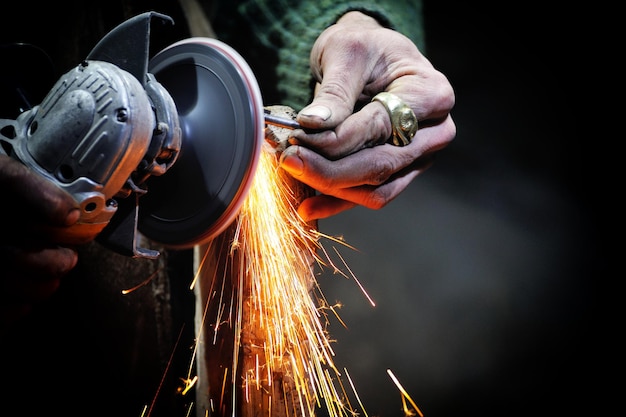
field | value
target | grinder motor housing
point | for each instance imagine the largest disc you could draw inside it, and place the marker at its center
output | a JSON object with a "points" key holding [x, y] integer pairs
{"points": [[108, 127]]}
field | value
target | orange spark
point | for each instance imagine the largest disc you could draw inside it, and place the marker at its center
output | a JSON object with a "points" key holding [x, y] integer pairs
{"points": [[145, 282], [406, 396], [281, 356], [189, 383]]}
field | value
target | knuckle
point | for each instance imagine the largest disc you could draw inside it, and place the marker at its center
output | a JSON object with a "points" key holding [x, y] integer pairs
{"points": [[451, 131], [377, 199], [444, 93], [381, 169], [337, 89]]}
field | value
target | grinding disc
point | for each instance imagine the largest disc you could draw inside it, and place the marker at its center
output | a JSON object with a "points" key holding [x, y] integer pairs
{"points": [[221, 117]]}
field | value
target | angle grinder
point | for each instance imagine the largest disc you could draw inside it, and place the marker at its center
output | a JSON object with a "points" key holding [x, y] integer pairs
{"points": [[166, 146]]}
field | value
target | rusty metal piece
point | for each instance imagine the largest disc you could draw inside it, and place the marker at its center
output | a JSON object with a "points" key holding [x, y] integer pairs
{"points": [[279, 122]]}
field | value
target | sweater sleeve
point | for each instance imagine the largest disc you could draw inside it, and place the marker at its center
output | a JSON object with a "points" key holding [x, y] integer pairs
{"points": [[280, 34]]}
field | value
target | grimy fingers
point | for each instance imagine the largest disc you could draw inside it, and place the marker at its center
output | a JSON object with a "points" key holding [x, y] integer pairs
{"points": [[28, 194]]}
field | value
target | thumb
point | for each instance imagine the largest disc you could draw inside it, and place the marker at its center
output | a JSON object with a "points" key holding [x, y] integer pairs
{"points": [[326, 110], [335, 96]]}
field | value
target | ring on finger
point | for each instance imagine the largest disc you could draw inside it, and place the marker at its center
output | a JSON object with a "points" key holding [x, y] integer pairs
{"points": [[403, 119]]}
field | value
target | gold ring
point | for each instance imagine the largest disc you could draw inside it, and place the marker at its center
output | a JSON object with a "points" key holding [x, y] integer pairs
{"points": [[403, 119]]}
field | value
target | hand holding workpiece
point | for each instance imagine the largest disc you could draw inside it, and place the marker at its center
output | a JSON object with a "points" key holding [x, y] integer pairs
{"points": [[354, 61]]}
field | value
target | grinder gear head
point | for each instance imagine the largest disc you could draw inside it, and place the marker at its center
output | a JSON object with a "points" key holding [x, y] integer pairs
{"points": [[166, 147]]}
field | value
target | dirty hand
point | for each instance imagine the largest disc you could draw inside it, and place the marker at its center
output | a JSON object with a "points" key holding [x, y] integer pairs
{"points": [[32, 261], [342, 152]]}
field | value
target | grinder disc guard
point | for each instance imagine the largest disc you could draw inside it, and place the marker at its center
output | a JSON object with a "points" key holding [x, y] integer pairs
{"points": [[220, 109]]}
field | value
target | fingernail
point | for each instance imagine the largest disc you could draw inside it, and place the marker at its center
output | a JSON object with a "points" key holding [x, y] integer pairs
{"points": [[292, 163], [322, 112]]}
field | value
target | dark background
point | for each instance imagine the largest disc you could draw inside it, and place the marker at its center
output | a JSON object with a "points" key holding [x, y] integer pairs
{"points": [[482, 269], [485, 270]]}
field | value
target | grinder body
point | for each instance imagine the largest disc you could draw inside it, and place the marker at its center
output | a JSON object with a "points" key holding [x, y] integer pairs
{"points": [[91, 132], [108, 126]]}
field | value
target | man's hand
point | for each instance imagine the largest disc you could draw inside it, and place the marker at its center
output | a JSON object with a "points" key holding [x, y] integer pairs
{"points": [[343, 153], [34, 210]]}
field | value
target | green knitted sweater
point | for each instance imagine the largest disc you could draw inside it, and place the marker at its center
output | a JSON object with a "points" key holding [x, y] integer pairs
{"points": [[275, 37]]}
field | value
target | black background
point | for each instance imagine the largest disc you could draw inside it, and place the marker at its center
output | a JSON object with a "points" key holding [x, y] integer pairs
{"points": [[484, 270]]}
